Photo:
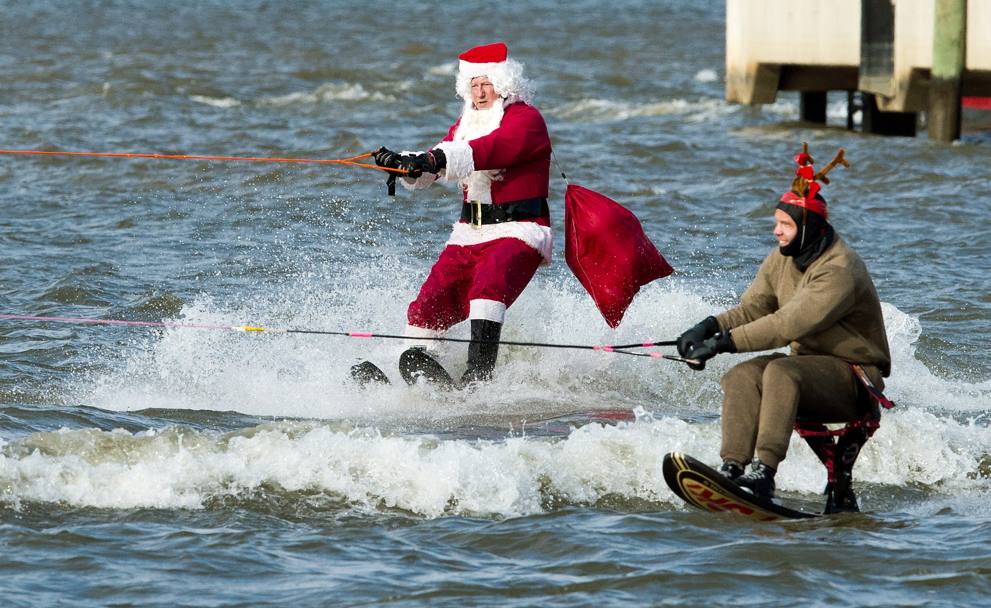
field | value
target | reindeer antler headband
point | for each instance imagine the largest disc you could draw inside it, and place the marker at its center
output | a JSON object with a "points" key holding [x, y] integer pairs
{"points": [[805, 186]]}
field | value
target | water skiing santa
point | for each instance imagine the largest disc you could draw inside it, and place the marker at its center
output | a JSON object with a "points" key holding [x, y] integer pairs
{"points": [[499, 153]]}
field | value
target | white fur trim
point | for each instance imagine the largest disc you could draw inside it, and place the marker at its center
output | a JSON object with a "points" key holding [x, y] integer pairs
{"points": [[471, 70], [413, 332], [489, 310], [478, 186], [419, 183], [539, 237], [460, 160]]}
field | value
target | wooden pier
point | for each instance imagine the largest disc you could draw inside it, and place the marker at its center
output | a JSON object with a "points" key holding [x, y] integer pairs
{"points": [[902, 56]]}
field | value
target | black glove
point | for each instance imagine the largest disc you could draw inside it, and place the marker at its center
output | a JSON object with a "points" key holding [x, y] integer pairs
{"points": [[707, 328], [416, 165], [387, 158], [390, 160], [709, 348]]}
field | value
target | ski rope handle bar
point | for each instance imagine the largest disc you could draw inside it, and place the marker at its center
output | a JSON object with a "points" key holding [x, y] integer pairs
{"points": [[608, 348]]}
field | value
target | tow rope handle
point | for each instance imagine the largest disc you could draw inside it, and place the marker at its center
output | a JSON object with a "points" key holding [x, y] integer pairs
{"points": [[390, 183]]}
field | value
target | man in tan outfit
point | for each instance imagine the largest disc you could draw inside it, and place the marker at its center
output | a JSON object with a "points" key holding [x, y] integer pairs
{"points": [[814, 294]]}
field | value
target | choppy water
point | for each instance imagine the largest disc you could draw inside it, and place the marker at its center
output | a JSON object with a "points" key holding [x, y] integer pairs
{"points": [[197, 468]]}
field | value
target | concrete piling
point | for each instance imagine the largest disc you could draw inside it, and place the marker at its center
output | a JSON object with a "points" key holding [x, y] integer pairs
{"points": [[899, 57], [812, 106]]}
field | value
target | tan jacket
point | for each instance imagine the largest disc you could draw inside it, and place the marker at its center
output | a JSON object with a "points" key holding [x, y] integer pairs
{"points": [[830, 309]]}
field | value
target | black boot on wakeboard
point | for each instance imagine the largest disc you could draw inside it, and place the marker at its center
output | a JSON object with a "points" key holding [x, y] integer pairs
{"points": [[482, 351], [839, 495], [759, 481], [415, 363], [731, 469], [366, 373]]}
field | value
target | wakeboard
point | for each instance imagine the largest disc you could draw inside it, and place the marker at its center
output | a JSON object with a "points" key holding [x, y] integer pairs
{"points": [[366, 373], [703, 487], [415, 364]]}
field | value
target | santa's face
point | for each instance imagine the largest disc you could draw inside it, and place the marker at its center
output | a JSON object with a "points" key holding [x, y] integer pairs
{"points": [[483, 93]]}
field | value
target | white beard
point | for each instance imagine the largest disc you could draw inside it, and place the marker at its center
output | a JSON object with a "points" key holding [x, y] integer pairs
{"points": [[474, 124]]}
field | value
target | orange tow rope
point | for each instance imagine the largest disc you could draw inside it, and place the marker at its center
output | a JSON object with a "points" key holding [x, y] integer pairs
{"points": [[351, 160]]}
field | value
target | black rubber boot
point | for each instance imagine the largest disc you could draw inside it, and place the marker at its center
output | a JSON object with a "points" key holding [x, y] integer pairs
{"points": [[759, 481], [731, 469], [482, 351], [839, 495]]}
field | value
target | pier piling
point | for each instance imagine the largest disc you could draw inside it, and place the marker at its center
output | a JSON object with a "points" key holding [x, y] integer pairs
{"points": [[900, 58], [949, 46], [812, 106]]}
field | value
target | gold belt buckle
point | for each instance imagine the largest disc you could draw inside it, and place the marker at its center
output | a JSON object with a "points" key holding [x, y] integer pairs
{"points": [[477, 220]]}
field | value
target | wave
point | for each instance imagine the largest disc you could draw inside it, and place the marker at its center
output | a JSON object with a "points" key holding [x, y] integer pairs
{"points": [[706, 75], [306, 376], [609, 110], [368, 470], [390, 447], [445, 69], [694, 110], [328, 92], [217, 102]]}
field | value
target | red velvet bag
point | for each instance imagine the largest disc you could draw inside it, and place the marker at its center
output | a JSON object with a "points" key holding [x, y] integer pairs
{"points": [[606, 248]]}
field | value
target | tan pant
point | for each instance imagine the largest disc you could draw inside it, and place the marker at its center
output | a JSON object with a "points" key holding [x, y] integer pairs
{"points": [[763, 396]]}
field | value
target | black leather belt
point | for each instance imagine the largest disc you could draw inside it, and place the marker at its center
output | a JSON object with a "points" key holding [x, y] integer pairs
{"points": [[528, 209]]}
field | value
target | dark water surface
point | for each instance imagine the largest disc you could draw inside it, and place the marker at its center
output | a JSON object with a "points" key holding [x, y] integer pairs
{"points": [[204, 468]]}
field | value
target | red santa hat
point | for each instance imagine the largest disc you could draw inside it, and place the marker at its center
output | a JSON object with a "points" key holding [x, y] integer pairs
{"points": [[493, 62]]}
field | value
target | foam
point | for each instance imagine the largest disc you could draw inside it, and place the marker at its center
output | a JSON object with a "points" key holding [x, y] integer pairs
{"points": [[693, 110], [706, 75], [217, 102], [327, 92], [608, 110], [421, 474], [933, 437], [287, 375], [445, 69]]}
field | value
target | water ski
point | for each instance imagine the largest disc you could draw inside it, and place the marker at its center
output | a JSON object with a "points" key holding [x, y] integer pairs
{"points": [[703, 487], [415, 363], [366, 373]]}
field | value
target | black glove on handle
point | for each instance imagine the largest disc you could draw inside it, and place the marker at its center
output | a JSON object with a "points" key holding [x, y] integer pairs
{"points": [[710, 347], [390, 160], [387, 158], [416, 165], [694, 337]]}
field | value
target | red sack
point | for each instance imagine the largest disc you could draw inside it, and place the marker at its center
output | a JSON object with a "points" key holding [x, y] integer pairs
{"points": [[606, 248]]}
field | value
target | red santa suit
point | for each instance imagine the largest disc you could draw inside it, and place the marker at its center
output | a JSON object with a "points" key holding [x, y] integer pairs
{"points": [[501, 159]]}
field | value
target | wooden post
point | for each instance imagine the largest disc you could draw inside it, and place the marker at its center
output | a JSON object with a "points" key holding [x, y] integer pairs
{"points": [[949, 45]]}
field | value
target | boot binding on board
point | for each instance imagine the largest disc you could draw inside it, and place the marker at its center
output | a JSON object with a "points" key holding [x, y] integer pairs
{"points": [[731, 469], [483, 350], [759, 481], [840, 497]]}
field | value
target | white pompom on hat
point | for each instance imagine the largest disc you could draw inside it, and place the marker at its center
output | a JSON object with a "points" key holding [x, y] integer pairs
{"points": [[492, 61]]}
